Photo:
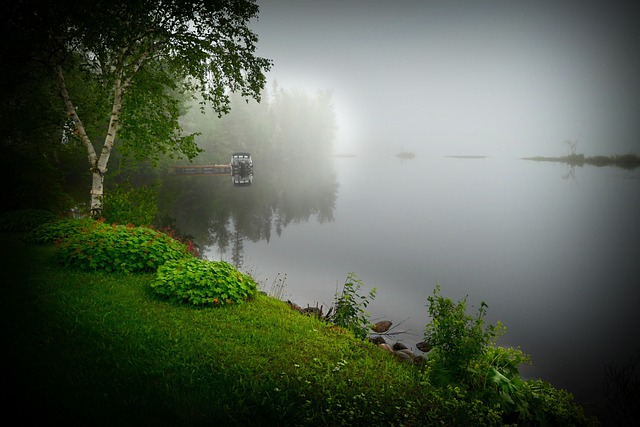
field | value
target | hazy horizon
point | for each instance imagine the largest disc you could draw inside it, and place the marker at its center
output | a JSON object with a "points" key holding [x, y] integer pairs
{"points": [[490, 78]]}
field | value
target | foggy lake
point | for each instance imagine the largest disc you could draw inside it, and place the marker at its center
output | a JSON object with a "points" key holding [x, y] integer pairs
{"points": [[553, 253]]}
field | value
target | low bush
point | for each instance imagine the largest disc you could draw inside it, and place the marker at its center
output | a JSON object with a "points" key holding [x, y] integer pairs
{"points": [[458, 340], [549, 406], [465, 358], [47, 234], [25, 219], [200, 282], [192, 248], [119, 248]]}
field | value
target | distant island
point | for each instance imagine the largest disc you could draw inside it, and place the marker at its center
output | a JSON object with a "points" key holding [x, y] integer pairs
{"points": [[625, 161], [405, 155], [466, 157]]}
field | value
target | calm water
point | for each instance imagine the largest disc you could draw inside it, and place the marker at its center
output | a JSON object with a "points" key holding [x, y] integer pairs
{"points": [[554, 256]]}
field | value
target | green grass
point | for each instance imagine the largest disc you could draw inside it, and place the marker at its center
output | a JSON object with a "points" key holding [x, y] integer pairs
{"points": [[94, 348]]}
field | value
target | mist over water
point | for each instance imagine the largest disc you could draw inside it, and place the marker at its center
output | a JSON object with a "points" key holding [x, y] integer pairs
{"points": [[552, 250], [547, 253], [464, 77]]}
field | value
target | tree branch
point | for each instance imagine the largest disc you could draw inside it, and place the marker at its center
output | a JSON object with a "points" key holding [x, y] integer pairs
{"points": [[71, 110], [136, 66]]}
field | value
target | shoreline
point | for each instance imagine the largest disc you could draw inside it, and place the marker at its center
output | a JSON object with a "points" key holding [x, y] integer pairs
{"points": [[625, 161]]}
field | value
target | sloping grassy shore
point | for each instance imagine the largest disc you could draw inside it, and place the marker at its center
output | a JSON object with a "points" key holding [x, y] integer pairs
{"points": [[90, 348]]}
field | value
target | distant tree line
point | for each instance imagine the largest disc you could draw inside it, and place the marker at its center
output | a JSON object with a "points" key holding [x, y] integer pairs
{"points": [[290, 135], [286, 125]]}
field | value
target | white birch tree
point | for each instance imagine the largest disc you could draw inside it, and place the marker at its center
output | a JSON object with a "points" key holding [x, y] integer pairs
{"points": [[143, 53]]}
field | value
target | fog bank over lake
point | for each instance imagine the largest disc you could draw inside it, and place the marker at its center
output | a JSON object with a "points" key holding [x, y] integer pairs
{"points": [[464, 77], [469, 88], [554, 258]]}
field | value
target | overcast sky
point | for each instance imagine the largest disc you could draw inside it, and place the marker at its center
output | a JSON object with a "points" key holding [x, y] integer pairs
{"points": [[495, 78]]}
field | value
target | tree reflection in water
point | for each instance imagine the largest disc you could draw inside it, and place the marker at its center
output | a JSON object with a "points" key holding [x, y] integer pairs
{"points": [[289, 136]]}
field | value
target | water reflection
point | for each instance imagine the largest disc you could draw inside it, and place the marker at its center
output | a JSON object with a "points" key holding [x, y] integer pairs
{"points": [[220, 216], [555, 262], [242, 180], [571, 173]]}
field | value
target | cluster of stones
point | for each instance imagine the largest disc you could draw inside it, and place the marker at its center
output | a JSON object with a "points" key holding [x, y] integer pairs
{"points": [[309, 311], [398, 349]]}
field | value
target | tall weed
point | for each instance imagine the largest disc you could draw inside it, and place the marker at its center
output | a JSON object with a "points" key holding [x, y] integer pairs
{"points": [[348, 310]]}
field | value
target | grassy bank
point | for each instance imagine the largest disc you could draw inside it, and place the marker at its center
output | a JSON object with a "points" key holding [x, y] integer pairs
{"points": [[87, 348], [92, 348]]}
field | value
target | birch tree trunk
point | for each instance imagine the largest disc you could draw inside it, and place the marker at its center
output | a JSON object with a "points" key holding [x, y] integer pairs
{"points": [[71, 110], [92, 157], [100, 168], [98, 165]]}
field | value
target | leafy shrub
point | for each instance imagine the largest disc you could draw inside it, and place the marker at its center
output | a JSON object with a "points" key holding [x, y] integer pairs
{"points": [[192, 248], [348, 308], [548, 406], [119, 248], [457, 339], [454, 406], [200, 282], [49, 233], [464, 358], [25, 219], [494, 377]]}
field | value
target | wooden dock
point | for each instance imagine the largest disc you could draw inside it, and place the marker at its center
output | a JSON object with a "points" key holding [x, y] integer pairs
{"points": [[203, 170]]}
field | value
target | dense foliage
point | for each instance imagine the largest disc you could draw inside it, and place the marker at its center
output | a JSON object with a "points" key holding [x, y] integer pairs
{"points": [[119, 248], [200, 282], [49, 233], [466, 364], [458, 340], [129, 74], [129, 204]]}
